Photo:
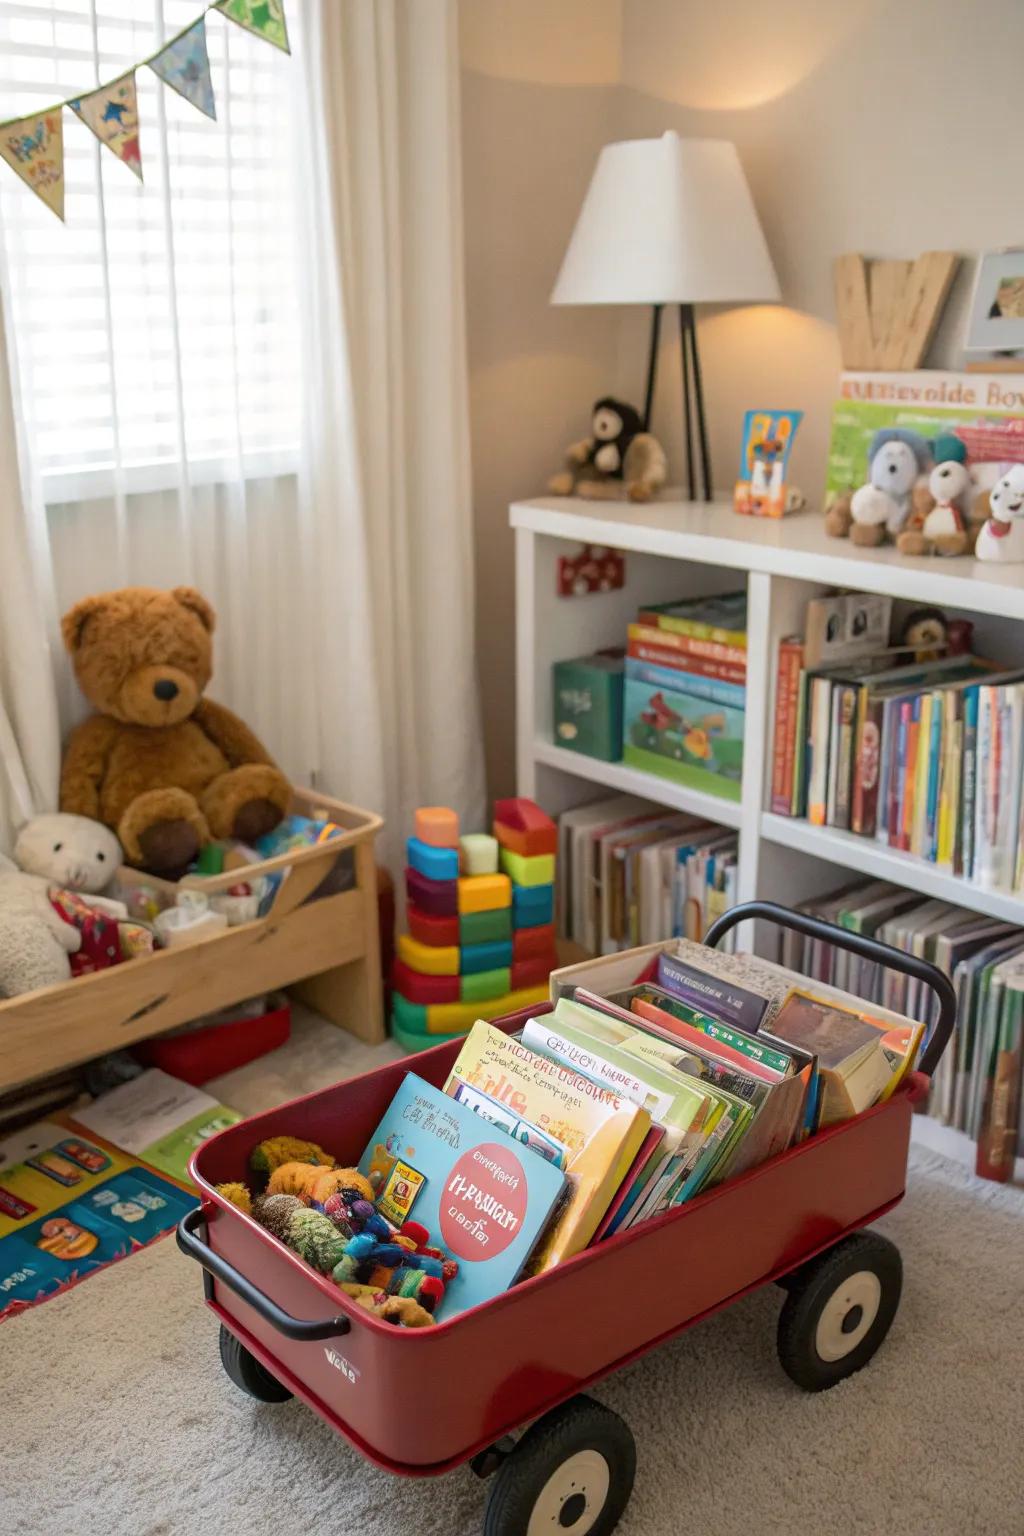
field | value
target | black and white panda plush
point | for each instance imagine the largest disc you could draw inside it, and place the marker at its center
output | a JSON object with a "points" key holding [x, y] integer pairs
{"points": [[613, 426]]}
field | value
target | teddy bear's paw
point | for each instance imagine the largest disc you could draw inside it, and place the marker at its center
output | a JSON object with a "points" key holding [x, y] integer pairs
{"points": [[169, 847], [254, 819], [561, 485], [911, 542]]}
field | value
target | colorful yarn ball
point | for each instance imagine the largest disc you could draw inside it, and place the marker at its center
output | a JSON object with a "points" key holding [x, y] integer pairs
{"points": [[366, 1218], [314, 1238], [238, 1194], [270, 1154], [275, 1212], [336, 1209]]}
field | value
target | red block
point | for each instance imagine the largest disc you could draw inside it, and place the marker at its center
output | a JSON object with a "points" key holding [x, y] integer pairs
{"points": [[522, 826], [442, 932], [534, 943], [417, 988], [438, 898], [533, 972]]}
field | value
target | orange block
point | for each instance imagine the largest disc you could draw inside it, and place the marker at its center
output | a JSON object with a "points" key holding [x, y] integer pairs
{"points": [[438, 826], [483, 893], [527, 843]]}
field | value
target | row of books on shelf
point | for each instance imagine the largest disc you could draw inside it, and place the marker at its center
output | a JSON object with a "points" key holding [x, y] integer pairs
{"points": [[924, 754], [671, 701], [633, 873], [657, 1074], [978, 1084]]}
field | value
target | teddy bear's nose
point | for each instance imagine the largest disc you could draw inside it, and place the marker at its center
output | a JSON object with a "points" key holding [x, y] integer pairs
{"points": [[165, 689]]}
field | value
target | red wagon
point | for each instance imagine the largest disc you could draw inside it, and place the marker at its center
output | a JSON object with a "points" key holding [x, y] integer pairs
{"points": [[420, 1401]]}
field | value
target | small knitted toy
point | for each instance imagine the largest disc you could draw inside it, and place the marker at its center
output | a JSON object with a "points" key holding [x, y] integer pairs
{"points": [[276, 1150], [402, 1310], [356, 1215], [315, 1238], [314, 1184], [389, 1267], [238, 1194], [275, 1212]]}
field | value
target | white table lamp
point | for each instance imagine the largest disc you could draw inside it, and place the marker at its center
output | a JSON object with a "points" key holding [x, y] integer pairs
{"points": [[669, 221]]}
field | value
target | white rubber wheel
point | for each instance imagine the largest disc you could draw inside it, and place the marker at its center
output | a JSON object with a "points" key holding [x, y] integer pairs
{"points": [[573, 1496], [571, 1472], [848, 1315], [838, 1309]]}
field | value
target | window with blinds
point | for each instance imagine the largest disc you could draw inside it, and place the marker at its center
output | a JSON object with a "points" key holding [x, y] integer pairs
{"points": [[157, 324]]}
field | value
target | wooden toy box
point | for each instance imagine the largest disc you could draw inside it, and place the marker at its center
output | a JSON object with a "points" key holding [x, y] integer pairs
{"points": [[325, 947]]}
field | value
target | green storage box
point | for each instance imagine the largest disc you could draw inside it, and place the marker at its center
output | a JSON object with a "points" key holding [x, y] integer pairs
{"points": [[588, 705]]}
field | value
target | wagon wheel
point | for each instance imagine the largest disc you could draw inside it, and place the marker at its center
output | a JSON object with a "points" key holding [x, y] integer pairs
{"points": [[572, 1471], [247, 1373], [839, 1309]]}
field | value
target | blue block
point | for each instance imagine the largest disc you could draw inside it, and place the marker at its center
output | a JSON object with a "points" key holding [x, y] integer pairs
{"points": [[484, 957], [532, 905], [433, 863]]}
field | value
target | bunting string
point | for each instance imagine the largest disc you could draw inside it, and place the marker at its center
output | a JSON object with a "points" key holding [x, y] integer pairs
{"points": [[33, 146]]}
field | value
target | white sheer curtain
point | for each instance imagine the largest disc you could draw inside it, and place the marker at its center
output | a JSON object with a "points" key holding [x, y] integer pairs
{"points": [[29, 735], [385, 476], [249, 373]]}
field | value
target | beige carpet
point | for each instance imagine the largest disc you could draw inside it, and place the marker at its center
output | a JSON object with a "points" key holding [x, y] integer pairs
{"points": [[116, 1417]]}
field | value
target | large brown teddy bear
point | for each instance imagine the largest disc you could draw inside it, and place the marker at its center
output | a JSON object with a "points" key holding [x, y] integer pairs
{"points": [[165, 768]]}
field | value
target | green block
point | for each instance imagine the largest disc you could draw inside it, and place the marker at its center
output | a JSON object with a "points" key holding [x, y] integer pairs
{"points": [[413, 1042], [485, 927], [483, 985], [538, 870], [408, 1016]]}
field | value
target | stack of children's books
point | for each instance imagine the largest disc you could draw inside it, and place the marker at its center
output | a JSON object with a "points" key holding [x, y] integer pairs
{"points": [[977, 1085], [632, 872], [921, 748], [685, 691], [657, 1074]]}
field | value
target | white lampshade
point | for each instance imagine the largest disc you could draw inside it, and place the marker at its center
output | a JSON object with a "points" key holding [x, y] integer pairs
{"points": [[667, 221]]}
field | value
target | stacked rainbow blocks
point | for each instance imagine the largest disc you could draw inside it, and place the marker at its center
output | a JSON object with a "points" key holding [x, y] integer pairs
{"points": [[481, 938]]}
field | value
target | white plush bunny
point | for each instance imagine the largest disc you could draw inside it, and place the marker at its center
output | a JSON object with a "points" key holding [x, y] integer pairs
{"points": [[1001, 540]]}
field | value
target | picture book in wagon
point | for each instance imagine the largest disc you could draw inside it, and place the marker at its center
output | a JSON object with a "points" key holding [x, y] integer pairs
{"points": [[484, 1197]]}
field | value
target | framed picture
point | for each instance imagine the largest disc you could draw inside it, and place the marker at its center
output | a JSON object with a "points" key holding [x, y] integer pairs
{"points": [[996, 319]]}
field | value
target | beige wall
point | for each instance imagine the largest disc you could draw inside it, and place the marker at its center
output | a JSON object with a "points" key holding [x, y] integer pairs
{"points": [[886, 126]]}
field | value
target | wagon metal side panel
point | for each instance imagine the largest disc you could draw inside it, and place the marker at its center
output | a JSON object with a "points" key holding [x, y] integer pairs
{"points": [[422, 1400]]}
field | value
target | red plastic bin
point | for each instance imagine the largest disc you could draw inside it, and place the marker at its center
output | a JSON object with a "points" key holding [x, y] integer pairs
{"points": [[489, 1370]]}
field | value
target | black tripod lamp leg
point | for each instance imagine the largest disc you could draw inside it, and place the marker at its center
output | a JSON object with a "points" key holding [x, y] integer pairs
{"points": [[698, 396], [652, 365], [685, 322]]}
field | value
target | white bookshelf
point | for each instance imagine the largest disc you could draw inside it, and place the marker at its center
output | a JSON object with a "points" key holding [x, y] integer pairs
{"points": [[676, 549]]}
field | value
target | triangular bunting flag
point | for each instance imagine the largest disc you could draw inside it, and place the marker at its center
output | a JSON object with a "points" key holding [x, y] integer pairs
{"points": [[264, 17], [184, 65], [112, 112], [34, 146]]}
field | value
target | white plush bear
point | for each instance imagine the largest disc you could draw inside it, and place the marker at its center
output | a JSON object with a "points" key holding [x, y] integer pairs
{"points": [[1001, 540], [53, 850], [74, 852], [880, 508], [34, 941]]}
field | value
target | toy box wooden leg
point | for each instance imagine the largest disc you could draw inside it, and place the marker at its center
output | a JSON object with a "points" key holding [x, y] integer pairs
{"points": [[350, 995]]}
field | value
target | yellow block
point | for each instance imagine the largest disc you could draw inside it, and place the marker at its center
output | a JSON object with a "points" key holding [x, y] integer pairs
{"points": [[484, 893], [449, 1018], [537, 870], [428, 959]]}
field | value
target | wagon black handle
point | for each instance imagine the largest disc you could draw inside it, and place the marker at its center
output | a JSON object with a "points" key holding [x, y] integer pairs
{"points": [[292, 1327], [857, 944]]}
